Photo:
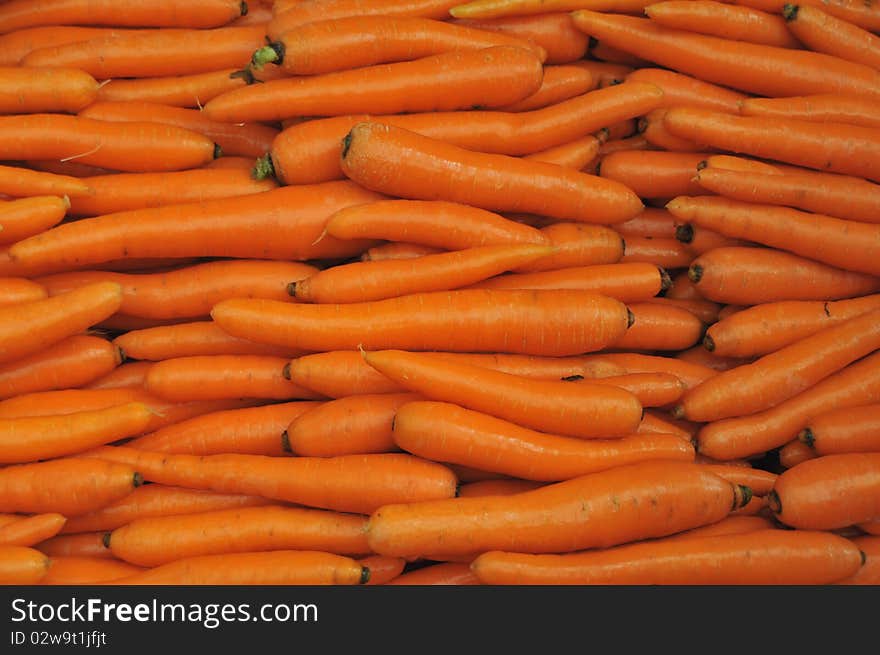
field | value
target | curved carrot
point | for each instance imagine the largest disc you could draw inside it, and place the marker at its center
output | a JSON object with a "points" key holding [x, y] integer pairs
{"points": [[849, 430], [154, 500], [855, 385], [652, 389], [575, 154], [26, 217], [218, 377], [27, 328], [23, 183], [504, 487], [156, 541], [619, 505], [684, 90], [759, 558], [553, 31], [73, 362], [830, 492], [793, 453], [383, 569], [700, 355], [577, 244], [65, 486], [559, 83], [83, 570], [47, 89], [495, 182], [823, 32], [514, 73], [14, 290], [191, 91], [445, 573], [353, 483], [660, 328], [751, 276], [281, 224], [22, 566], [346, 426], [829, 107], [654, 174], [499, 8], [750, 67]]}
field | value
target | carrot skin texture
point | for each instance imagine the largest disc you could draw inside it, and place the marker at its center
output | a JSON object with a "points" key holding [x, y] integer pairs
{"points": [[83, 544], [654, 174], [823, 32], [23, 183], [446, 573], [45, 90], [83, 570], [869, 574], [679, 89], [22, 566], [849, 109], [26, 217], [31, 530], [850, 430]]}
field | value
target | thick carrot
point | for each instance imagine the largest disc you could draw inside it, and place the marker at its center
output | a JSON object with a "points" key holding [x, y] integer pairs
{"points": [[504, 487], [26, 217], [327, 46], [829, 107], [652, 389], [84, 544], [372, 157], [794, 453], [190, 340], [155, 500], [575, 154], [15, 290], [849, 430], [15, 45], [660, 328], [577, 244], [829, 492], [132, 147], [383, 569], [190, 291], [48, 89], [191, 91], [619, 505], [855, 385], [129, 374], [80, 570], [310, 152], [628, 283], [654, 174], [665, 253], [560, 83], [31, 530], [66, 486], [154, 53], [582, 410], [823, 32], [445, 573], [234, 139], [346, 426], [751, 276], [449, 433], [278, 224], [73, 362], [869, 573], [726, 21], [684, 90], [20, 182], [30, 327], [853, 11], [397, 250], [280, 567], [354, 483], [652, 127], [762, 557], [780, 375], [217, 377], [750, 67], [550, 322], [368, 281], [845, 197], [22, 566], [490, 77], [156, 541]]}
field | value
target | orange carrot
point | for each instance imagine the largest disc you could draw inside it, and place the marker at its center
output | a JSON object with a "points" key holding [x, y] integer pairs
{"points": [[704, 310], [829, 107], [651, 222], [446, 573], [869, 573], [652, 127], [505, 487], [700, 355], [26, 217], [31, 530], [823, 32], [22, 566], [397, 250], [849, 430], [80, 570], [690, 374], [794, 453], [47, 89], [383, 569], [727, 526], [130, 374], [652, 389], [853, 11], [665, 253], [191, 91], [577, 244], [15, 45], [654, 174], [559, 83], [660, 328], [496, 8], [684, 90], [576, 154], [23, 183], [85, 544]]}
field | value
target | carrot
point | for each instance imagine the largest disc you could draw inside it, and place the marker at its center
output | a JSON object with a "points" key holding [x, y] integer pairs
{"points": [[346, 426], [559, 83], [577, 244], [654, 174], [755, 558], [869, 573], [827, 107], [15, 45], [576, 154], [822, 238], [635, 142], [127, 375], [704, 310], [628, 283], [86, 544], [310, 151], [26, 217], [31, 530], [216, 377], [733, 524], [191, 91], [68, 167], [660, 328], [23, 183], [155, 500], [845, 197], [278, 224], [684, 90], [747, 435], [619, 505], [78, 570], [653, 424], [131, 147], [523, 322], [553, 31], [758, 480], [601, 51], [445, 573], [383, 569], [65, 486], [189, 291], [124, 322], [751, 276], [280, 567], [750, 67], [390, 88], [397, 250], [870, 527], [665, 253], [448, 433], [495, 182], [505, 487], [154, 53], [22, 566], [651, 222], [652, 389], [700, 239], [741, 164], [28, 328], [849, 430], [73, 362], [580, 410], [242, 140], [15, 290], [823, 32], [369, 281], [794, 453], [48, 89], [151, 542], [829, 492], [725, 21], [327, 46], [853, 11], [700, 355], [652, 127], [496, 8], [626, 363]]}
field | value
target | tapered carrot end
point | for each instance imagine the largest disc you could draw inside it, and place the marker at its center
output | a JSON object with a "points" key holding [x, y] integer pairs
{"points": [[285, 372], [684, 233], [773, 502], [790, 12], [263, 168], [695, 273], [807, 437], [285, 443], [137, 480], [709, 343]]}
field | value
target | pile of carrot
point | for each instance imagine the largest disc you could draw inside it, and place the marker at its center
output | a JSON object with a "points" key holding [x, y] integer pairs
{"points": [[439, 292]]}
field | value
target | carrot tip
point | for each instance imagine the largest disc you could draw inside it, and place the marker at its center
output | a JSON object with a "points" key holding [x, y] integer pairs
{"points": [[285, 442], [291, 289], [695, 273], [684, 233], [346, 144], [105, 539], [243, 8], [677, 412], [365, 574], [263, 168], [807, 437], [709, 343], [137, 480], [703, 164], [746, 495], [773, 502], [285, 372], [630, 318], [789, 12]]}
